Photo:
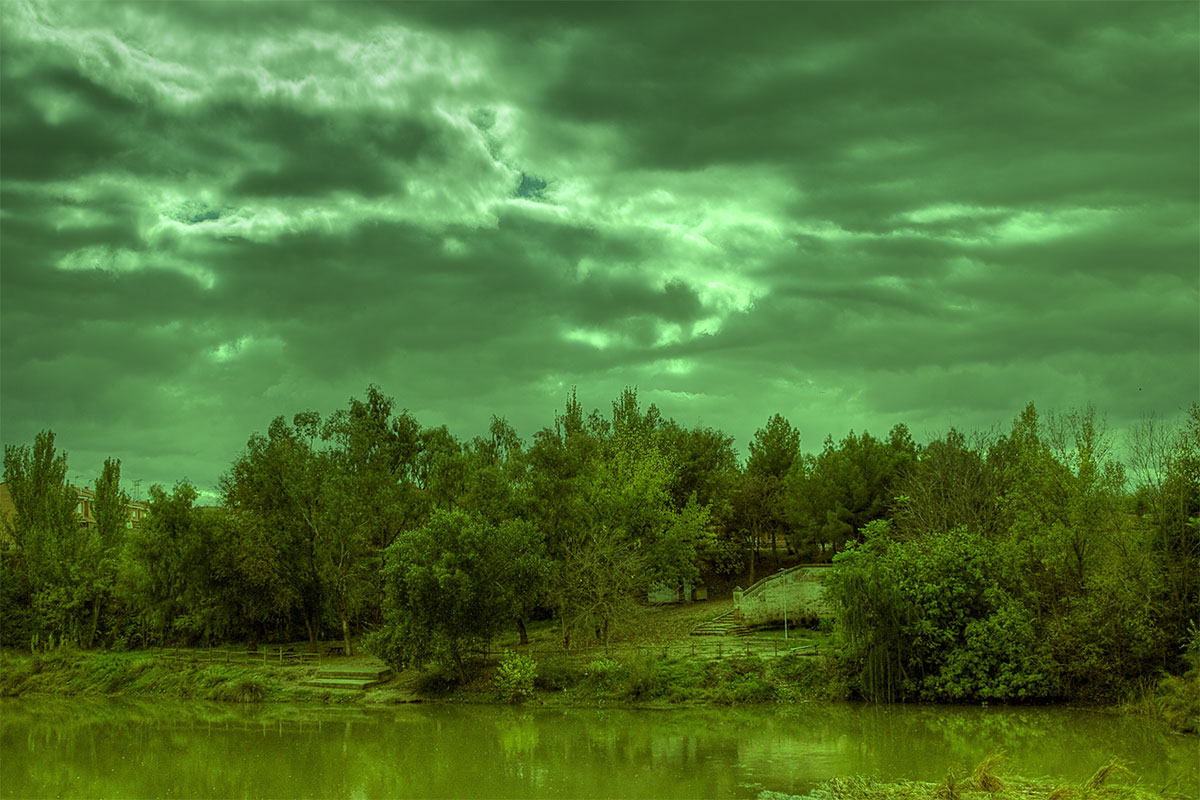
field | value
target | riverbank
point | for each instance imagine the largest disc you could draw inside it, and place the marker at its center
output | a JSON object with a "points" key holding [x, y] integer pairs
{"points": [[651, 662], [160, 674], [645, 678]]}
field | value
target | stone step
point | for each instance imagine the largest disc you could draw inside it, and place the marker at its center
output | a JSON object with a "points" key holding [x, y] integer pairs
{"points": [[724, 625], [374, 673], [340, 683], [357, 677]]}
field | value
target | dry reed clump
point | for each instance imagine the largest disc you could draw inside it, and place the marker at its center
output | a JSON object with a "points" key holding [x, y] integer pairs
{"points": [[1096, 786], [1102, 776], [948, 789], [985, 783], [986, 777]]}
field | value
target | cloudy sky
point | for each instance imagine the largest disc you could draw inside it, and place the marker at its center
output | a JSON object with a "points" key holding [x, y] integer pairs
{"points": [[854, 214]]}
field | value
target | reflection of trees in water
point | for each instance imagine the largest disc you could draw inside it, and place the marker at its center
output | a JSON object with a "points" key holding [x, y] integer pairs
{"points": [[102, 748]]}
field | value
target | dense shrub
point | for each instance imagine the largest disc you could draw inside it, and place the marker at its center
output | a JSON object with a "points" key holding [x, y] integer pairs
{"points": [[938, 618], [604, 674], [556, 674], [244, 689], [515, 677], [797, 676]]}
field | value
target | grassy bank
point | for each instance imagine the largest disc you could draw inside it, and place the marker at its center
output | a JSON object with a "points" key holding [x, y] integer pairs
{"points": [[71, 672], [1173, 699], [650, 677], [640, 680]]}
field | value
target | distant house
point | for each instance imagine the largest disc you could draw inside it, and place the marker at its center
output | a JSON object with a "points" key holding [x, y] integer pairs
{"points": [[87, 511], [661, 593], [8, 509], [84, 507]]}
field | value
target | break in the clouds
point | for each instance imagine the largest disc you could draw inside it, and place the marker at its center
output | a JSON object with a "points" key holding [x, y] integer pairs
{"points": [[855, 214]]}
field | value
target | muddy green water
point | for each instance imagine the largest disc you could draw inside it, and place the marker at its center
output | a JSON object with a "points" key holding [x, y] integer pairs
{"points": [[111, 749]]}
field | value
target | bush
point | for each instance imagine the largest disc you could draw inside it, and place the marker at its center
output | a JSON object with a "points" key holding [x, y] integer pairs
{"points": [[1179, 701], [604, 674], [556, 675], [515, 677], [246, 689], [799, 676], [643, 679], [437, 681], [740, 679]]}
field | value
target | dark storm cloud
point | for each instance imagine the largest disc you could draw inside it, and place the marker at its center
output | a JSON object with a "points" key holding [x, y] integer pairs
{"points": [[852, 213]]}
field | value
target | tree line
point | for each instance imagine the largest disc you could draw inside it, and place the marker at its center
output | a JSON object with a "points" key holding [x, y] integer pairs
{"points": [[1014, 566]]}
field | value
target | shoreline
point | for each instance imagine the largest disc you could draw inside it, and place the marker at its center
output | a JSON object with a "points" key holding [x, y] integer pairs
{"points": [[604, 682]]}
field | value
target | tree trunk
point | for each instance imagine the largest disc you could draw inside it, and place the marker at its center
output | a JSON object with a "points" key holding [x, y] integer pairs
{"points": [[95, 622], [521, 630], [312, 631], [346, 632]]}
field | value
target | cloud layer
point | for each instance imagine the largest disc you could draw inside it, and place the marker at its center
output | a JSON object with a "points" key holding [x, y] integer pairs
{"points": [[854, 214]]}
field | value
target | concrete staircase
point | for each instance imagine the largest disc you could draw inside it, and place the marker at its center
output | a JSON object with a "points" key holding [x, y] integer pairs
{"points": [[354, 678], [724, 625]]}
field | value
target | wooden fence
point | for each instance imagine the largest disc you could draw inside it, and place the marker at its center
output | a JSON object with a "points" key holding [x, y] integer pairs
{"points": [[279, 656], [702, 648]]}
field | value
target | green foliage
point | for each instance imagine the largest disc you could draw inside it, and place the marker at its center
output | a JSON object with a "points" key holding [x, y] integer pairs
{"points": [[17, 621], [1002, 569], [937, 619], [1052, 592], [803, 674], [241, 689], [516, 677], [736, 680], [557, 674], [49, 535], [951, 484], [604, 673], [451, 584], [164, 573], [603, 496], [850, 484]]}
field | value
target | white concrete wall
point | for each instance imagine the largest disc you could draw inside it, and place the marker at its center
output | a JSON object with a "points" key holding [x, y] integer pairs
{"points": [[797, 592]]}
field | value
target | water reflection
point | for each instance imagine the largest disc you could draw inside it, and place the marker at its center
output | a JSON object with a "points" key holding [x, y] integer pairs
{"points": [[121, 749]]}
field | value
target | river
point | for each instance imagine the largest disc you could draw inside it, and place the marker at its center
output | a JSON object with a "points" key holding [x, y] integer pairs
{"points": [[115, 749]]}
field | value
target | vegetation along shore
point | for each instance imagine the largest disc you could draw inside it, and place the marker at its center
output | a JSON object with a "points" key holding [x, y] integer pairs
{"points": [[1028, 566]]}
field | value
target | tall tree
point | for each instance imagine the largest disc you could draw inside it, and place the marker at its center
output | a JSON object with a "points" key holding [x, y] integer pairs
{"points": [[772, 452], [1166, 466], [706, 474], [951, 485], [105, 540], [48, 532], [452, 583], [275, 487], [849, 485], [165, 566]]}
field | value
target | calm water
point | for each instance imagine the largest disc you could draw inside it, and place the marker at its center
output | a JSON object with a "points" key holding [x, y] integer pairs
{"points": [[53, 748]]}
